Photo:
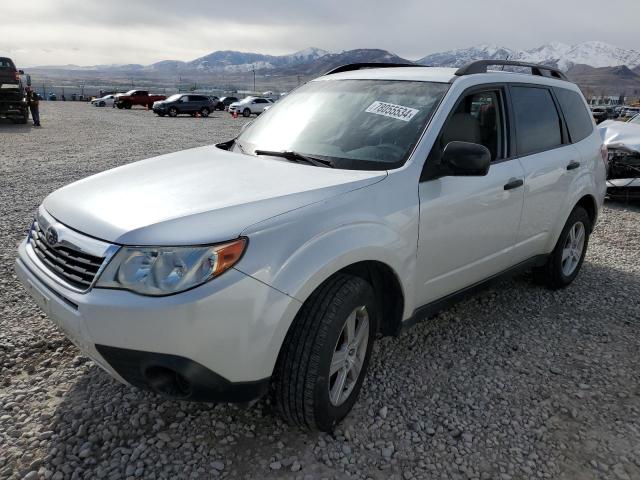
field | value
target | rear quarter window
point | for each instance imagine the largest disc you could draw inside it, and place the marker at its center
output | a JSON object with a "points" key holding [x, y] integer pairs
{"points": [[538, 125], [575, 113]]}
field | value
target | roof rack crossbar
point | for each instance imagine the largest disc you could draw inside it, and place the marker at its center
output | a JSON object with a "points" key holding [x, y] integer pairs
{"points": [[361, 66], [480, 66]]}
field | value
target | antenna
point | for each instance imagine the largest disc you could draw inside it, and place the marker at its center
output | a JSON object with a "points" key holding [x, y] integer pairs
{"points": [[505, 61]]}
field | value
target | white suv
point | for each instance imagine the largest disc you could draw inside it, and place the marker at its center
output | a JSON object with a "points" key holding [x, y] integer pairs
{"points": [[367, 199], [249, 105]]}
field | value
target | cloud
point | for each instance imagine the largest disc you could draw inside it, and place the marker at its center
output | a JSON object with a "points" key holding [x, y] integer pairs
{"points": [[87, 32]]}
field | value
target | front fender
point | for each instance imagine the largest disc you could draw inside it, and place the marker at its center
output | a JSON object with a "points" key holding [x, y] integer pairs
{"points": [[297, 251]]}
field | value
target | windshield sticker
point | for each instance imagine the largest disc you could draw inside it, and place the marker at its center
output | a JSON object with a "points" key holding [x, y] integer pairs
{"points": [[394, 111]]}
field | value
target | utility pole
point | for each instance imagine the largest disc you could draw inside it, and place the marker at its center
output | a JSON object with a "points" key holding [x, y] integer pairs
{"points": [[254, 78]]}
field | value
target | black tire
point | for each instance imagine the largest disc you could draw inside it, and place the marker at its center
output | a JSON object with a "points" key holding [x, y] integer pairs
{"points": [[552, 273], [101, 104], [120, 106], [173, 112], [204, 112], [246, 112], [301, 381], [127, 106]]}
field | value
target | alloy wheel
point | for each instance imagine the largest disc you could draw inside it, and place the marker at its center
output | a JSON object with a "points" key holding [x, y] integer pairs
{"points": [[573, 248], [348, 356]]}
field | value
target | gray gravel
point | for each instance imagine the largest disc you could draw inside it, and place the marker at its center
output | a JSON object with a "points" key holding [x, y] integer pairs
{"points": [[518, 382]]}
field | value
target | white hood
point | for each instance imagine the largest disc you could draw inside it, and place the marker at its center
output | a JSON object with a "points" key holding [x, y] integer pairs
{"points": [[623, 135], [197, 196]]}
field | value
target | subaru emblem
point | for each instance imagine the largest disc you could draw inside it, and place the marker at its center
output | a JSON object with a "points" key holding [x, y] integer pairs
{"points": [[52, 236]]}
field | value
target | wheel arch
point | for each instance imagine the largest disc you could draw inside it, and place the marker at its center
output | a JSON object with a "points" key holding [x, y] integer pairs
{"points": [[584, 198]]}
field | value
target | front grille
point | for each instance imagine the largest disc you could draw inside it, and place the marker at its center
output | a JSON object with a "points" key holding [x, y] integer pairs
{"points": [[77, 268]]}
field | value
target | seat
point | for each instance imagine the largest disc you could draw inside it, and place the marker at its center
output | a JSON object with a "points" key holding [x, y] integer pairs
{"points": [[461, 127]]}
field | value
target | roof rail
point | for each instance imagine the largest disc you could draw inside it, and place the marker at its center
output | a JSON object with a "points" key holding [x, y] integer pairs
{"points": [[361, 66], [480, 66]]}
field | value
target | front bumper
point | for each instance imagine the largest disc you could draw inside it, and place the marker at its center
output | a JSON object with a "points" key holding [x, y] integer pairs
{"points": [[217, 342]]}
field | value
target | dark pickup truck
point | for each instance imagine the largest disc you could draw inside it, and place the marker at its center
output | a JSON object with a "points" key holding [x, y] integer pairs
{"points": [[136, 97], [13, 104]]}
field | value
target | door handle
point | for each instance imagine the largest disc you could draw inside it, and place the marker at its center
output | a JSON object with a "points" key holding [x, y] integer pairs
{"points": [[513, 183], [573, 165]]}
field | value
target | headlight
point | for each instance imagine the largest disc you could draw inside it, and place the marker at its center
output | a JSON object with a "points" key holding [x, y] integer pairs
{"points": [[166, 270]]}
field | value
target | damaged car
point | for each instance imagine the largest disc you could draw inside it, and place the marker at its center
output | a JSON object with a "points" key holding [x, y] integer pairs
{"points": [[622, 140]]}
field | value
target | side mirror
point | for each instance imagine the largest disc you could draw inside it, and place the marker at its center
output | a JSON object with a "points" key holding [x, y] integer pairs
{"points": [[466, 159]]}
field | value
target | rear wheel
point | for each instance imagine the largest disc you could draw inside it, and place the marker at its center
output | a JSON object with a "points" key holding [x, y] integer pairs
{"points": [[127, 105], [246, 112], [326, 353], [173, 112], [565, 261], [204, 112]]}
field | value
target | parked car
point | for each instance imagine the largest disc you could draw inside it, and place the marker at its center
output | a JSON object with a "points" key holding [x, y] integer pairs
{"points": [[630, 111], [13, 104], [185, 103], [622, 140], [249, 105], [136, 97], [224, 102], [599, 114], [52, 97], [106, 101], [271, 262]]}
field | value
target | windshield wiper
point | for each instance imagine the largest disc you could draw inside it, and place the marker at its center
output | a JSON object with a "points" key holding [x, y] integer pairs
{"points": [[296, 157]]}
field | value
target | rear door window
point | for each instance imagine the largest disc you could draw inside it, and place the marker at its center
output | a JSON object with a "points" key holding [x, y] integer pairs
{"points": [[576, 115], [538, 126]]}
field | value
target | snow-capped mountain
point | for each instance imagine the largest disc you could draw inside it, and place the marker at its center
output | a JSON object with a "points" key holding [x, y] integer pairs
{"points": [[232, 61], [595, 54], [461, 56]]}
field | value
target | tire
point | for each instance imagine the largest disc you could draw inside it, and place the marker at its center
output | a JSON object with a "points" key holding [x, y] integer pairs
{"points": [[101, 104], [304, 389], [173, 112], [204, 112], [558, 272], [127, 106], [246, 112], [120, 106]]}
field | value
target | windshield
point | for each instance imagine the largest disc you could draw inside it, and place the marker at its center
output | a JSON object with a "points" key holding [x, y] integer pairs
{"points": [[357, 124], [635, 119], [174, 97]]}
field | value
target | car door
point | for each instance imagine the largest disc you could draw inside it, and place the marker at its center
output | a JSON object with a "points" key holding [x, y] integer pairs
{"points": [[190, 104], [468, 225], [548, 160]]}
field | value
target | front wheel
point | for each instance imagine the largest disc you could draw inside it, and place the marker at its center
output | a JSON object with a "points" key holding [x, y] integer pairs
{"points": [[173, 112], [101, 104], [204, 112], [565, 261], [246, 112], [326, 353]]}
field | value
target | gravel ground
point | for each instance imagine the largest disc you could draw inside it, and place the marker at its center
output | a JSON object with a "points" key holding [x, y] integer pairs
{"points": [[518, 382]]}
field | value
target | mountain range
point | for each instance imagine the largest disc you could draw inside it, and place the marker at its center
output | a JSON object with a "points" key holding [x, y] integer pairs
{"points": [[563, 56], [593, 64]]}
